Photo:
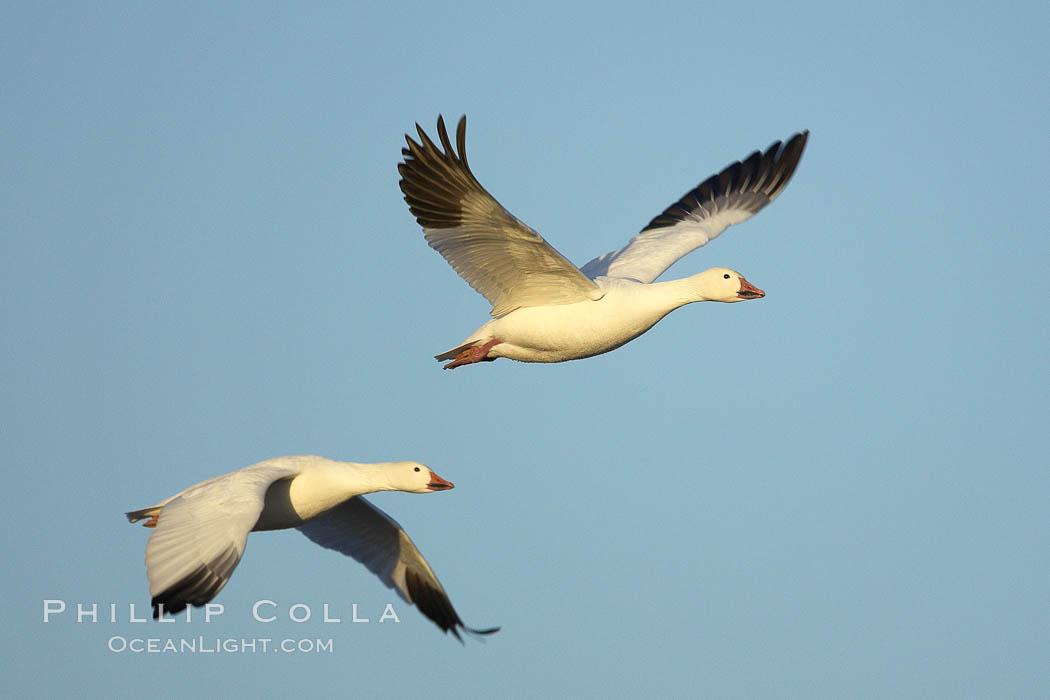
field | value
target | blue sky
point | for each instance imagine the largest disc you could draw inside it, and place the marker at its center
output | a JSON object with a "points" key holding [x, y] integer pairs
{"points": [[837, 491]]}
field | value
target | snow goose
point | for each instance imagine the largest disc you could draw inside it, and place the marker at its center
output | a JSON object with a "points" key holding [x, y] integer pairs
{"points": [[546, 309], [201, 532]]}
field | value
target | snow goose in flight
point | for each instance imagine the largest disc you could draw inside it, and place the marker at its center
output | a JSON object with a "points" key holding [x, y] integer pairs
{"points": [[546, 309], [201, 532]]}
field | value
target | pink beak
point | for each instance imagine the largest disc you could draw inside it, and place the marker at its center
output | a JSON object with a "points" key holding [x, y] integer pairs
{"points": [[749, 291], [438, 484]]}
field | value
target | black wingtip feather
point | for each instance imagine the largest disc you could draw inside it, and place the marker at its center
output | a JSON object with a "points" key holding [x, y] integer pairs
{"points": [[438, 177], [750, 184], [461, 141], [435, 605], [197, 588]]}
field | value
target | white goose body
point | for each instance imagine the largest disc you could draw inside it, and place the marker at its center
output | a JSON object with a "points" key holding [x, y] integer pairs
{"points": [[546, 309], [583, 329], [201, 532]]}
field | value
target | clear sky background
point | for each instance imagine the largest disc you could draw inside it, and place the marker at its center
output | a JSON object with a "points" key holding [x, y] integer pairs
{"points": [[838, 491]]}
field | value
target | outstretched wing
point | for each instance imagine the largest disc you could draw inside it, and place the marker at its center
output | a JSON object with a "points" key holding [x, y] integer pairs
{"points": [[201, 534], [731, 196], [503, 259], [358, 529]]}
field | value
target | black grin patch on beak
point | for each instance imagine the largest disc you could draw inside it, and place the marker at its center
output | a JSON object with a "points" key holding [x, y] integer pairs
{"points": [[747, 294], [435, 486]]}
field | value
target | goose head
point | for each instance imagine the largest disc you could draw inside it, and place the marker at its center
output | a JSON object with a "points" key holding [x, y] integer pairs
{"points": [[414, 477], [725, 285]]}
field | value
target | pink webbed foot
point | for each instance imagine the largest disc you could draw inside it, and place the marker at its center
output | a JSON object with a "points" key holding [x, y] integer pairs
{"points": [[152, 522], [471, 355]]}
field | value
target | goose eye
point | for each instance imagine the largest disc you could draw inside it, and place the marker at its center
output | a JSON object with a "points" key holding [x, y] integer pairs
{"points": [[417, 469], [725, 276]]}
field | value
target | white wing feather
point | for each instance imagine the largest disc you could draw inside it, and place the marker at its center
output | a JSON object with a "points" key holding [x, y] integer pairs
{"points": [[201, 533], [358, 529], [500, 257], [730, 197]]}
